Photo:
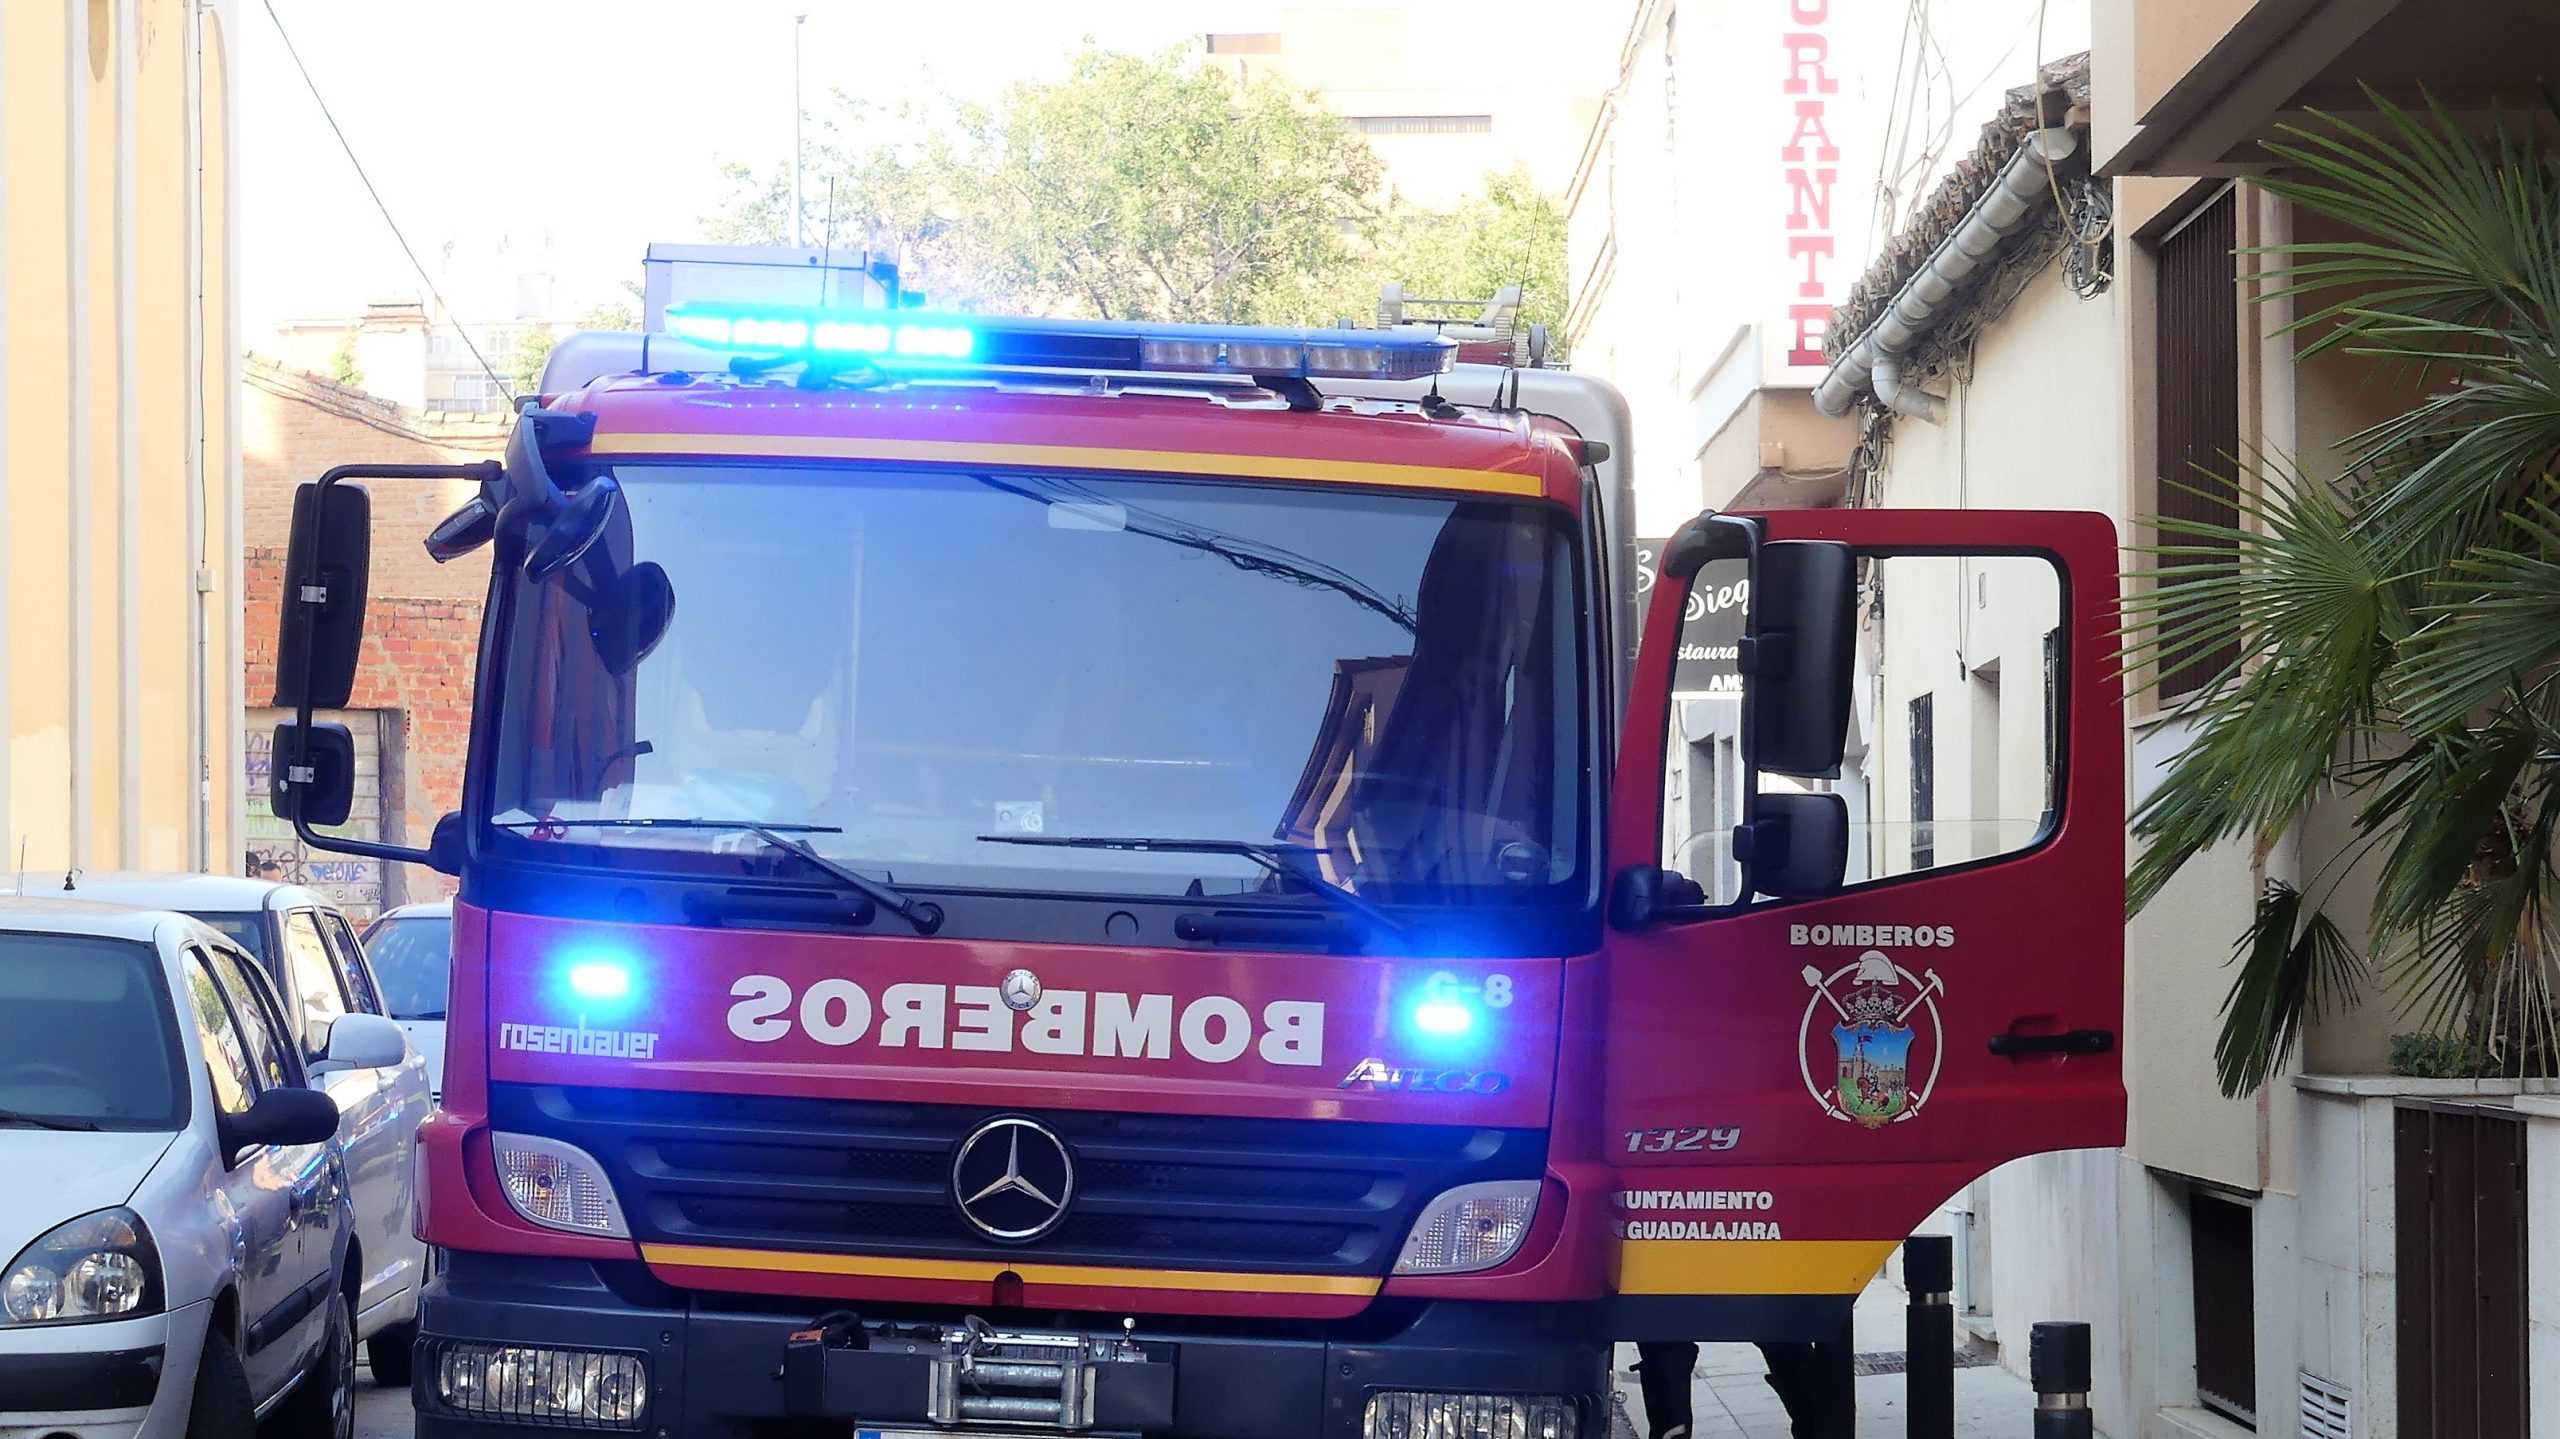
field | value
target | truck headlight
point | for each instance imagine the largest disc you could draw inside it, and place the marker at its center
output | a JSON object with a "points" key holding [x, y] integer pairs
{"points": [[1471, 1227], [525, 1384], [558, 1186], [1402, 1414], [98, 1266]]}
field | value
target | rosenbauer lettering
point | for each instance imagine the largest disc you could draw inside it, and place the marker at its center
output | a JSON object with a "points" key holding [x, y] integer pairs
{"points": [[1104, 1023]]}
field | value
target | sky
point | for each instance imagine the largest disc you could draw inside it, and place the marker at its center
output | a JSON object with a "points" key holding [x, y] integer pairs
{"points": [[580, 128], [565, 135]]}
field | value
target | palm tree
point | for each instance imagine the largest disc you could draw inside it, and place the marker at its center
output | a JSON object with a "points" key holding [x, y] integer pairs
{"points": [[2397, 630]]}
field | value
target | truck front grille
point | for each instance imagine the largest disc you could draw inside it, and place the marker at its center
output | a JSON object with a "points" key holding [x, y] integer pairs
{"points": [[1174, 1191]]}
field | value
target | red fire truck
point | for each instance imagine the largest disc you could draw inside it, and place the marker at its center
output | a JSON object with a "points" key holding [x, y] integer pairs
{"points": [[1062, 877]]}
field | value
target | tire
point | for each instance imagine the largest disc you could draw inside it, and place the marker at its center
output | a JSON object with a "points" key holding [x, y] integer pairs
{"points": [[389, 1352], [323, 1404], [221, 1407]]}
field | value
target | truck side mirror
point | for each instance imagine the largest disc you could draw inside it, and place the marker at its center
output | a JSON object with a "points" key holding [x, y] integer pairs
{"points": [[1796, 846], [630, 616], [321, 627], [311, 774], [1800, 649]]}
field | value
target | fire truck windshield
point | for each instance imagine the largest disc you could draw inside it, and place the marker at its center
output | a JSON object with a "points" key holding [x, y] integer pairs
{"points": [[917, 663]]}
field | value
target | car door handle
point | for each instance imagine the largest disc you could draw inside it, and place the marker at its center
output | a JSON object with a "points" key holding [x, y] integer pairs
{"points": [[2070, 1041]]}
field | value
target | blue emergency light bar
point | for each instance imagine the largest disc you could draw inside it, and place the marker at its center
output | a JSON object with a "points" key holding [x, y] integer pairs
{"points": [[901, 339]]}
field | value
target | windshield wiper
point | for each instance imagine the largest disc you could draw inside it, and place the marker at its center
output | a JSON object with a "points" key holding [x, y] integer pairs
{"points": [[924, 915], [11, 1116], [1282, 861], [423, 1014]]}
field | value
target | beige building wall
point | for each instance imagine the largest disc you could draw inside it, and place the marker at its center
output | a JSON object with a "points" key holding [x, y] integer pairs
{"points": [[118, 478], [1516, 84]]}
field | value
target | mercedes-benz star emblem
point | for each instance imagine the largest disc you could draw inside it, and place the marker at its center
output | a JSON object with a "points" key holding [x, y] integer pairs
{"points": [[1013, 1179], [1021, 990]]}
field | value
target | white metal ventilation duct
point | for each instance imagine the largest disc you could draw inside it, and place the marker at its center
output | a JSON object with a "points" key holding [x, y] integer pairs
{"points": [[1874, 363]]}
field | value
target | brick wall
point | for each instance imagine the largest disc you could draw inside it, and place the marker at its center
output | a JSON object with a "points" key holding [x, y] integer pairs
{"points": [[422, 620]]}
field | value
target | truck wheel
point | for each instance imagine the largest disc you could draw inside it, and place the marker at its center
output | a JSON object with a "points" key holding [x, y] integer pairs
{"points": [[389, 1353], [221, 1407], [323, 1405]]}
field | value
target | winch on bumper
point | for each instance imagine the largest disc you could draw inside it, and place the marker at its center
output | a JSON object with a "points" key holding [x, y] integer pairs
{"points": [[515, 1348], [974, 1372]]}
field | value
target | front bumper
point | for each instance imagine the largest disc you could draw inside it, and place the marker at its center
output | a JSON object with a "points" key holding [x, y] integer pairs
{"points": [[714, 1369], [100, 1381]]}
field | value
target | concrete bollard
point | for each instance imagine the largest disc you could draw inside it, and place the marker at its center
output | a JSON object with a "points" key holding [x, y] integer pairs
{"points": [[1929, 1336], [2058, 1362]]}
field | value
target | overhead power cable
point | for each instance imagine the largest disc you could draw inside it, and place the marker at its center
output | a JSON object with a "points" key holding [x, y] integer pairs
{"points": [[385, 210]]}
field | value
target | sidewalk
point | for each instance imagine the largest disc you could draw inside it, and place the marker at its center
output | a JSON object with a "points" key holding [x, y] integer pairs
{"points": [[1734, 1402]]}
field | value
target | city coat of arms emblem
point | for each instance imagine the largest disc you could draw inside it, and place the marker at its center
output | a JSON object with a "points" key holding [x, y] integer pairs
{"points": [[1870, 1042]]}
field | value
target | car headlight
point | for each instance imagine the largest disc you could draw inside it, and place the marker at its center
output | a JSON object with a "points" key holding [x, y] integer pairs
{"points": [[98, 1266], [1470, 1228]]}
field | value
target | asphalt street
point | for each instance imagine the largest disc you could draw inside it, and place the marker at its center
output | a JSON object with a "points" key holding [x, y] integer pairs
{"points": [[380, 1413]]}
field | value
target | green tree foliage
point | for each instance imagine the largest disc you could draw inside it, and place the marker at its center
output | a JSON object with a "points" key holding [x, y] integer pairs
{"points": [[523, 367], [1142, 187], [342, 361], [1511, 234], [614, 315], [2398, 630]]}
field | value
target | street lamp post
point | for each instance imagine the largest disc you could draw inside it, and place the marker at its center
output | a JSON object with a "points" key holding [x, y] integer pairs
{"points": [[799, 236]]}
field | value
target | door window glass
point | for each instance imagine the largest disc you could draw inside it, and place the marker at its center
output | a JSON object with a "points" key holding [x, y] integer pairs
{"points": [[312, 988], [259, 1027], [1944, 764], [413, 957], [348, 958], [226, 1056]]}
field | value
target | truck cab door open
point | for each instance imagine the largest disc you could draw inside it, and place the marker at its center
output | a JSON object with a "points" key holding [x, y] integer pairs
{"points": [[1801, 1069]]}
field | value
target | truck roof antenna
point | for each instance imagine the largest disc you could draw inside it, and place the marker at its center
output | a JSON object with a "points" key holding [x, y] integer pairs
{"points": [[827, 243]]}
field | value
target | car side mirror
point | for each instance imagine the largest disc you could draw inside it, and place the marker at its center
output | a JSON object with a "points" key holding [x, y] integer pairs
{"points": [[281, 1117], [1799, 650], [311, 773], [320, 629], [1796, 846], [362, 1041]]}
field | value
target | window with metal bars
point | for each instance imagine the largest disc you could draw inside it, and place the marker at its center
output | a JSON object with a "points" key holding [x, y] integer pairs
{"points": [[2198, 347]]}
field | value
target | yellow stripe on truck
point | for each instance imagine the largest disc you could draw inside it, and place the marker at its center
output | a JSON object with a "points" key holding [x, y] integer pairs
{"points": [[985, 1271], [1749, 1266], [1075, 457]]}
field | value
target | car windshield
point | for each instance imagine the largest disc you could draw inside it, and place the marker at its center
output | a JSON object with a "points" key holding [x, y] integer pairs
{"points": [[918, 661], [245, 929], [411, 956], [86, 1035]]}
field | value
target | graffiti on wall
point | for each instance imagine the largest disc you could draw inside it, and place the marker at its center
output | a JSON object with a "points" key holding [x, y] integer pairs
{"points": [[275, 852]]}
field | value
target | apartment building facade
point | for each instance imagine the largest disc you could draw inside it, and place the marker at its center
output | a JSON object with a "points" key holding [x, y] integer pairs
{"points": [[119, 478]]}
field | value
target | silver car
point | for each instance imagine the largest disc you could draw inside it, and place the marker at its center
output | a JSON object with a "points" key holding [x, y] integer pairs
{"points": [[182, 1254], [411, 951], [310, 951]]}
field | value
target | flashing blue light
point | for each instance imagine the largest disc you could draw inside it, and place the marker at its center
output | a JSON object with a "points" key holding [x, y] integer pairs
{"points": [[600, 979], [1443, 1018], [914, 337]]}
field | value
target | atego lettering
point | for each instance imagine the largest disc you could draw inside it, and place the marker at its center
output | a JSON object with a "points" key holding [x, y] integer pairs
{"points": [[1104, 1024]]}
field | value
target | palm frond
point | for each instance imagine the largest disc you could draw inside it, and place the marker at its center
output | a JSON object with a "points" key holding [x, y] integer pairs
{"points": [[2294, 965], [2309, 620]]}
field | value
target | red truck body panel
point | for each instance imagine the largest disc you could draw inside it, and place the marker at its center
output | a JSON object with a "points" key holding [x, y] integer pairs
{"points": [[1675, 1029]]}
